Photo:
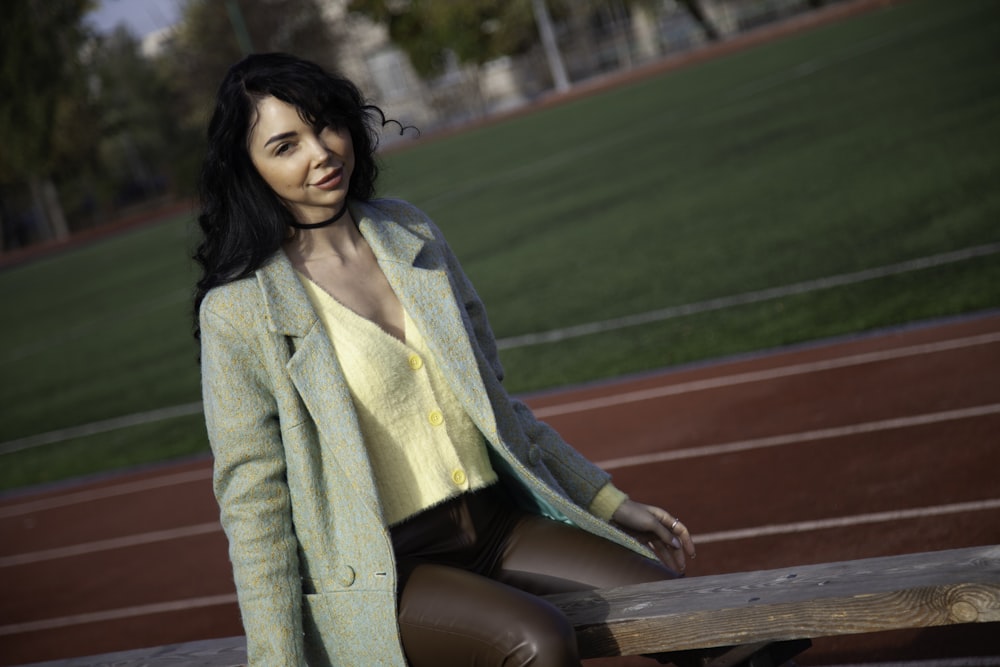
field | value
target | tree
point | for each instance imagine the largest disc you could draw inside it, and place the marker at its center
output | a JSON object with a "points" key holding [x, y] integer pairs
{"points": [[138, 128], [474, 30], [206, 44], [40, 85]]}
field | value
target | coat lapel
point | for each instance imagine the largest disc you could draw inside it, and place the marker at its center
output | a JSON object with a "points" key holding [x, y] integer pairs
{"points": [[316, 373], [422, 285], [427, 295]]}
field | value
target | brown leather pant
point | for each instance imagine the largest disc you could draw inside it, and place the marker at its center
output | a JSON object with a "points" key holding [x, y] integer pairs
{"points": [[471, 571]]}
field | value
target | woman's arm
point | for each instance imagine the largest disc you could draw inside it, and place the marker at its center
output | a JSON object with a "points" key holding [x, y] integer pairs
{"points": [[578, 477], [654, 526], [251, 488]]}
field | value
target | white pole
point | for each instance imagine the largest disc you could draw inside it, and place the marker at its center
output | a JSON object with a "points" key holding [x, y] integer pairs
{"points": [[549, 44]]}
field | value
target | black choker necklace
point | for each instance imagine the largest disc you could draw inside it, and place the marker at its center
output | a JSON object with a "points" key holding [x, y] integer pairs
{"points": [[329, 221]]}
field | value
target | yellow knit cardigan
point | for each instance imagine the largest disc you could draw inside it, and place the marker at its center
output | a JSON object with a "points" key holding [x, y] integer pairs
{"points": [[423, 447]]}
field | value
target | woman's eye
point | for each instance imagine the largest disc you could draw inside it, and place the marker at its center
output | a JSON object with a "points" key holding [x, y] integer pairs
{"points": [[282, 148]]}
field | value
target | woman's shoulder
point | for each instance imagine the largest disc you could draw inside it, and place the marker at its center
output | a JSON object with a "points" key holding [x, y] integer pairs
{"points": [[234, 300], [393, 207], [402, 213]]}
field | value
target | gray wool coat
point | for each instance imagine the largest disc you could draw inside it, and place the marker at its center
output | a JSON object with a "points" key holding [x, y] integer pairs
{"points": [[311, 553]]}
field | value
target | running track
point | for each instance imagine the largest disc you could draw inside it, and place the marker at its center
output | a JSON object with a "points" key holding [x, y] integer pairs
{"points": [[862, 447]]}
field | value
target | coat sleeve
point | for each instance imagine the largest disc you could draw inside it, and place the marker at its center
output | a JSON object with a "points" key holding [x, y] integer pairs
{"points": [[251, 488], [578, 478]]}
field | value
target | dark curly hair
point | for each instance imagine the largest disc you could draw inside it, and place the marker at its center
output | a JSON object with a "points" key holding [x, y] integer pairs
{"points": [[242, 220]]}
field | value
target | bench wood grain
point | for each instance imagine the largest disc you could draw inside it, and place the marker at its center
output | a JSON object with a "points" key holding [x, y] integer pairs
{"points": [[850, 597], [748, 609]]}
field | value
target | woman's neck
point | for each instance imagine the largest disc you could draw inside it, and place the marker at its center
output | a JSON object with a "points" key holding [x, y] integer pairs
{"points": [[339, 240]]}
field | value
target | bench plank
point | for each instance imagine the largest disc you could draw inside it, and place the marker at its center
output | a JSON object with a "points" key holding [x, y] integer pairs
{"points": [[749, 609], [870, 595]]}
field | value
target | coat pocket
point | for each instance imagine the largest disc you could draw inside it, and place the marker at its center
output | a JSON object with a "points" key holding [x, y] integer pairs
{"points": [[349, 628]]}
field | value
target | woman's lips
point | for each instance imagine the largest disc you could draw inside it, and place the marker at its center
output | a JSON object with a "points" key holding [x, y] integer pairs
{"points": [[331, 181]]}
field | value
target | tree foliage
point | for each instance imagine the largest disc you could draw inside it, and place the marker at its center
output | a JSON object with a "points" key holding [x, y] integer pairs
{"points": [[40, 74], [138, 131], [206, 44], [474, 30], [89, 124]]}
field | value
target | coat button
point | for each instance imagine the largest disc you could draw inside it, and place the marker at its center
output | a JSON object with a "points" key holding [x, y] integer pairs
{"points": [[435, 418], [347, 576], [458, 476], [416, 363]]}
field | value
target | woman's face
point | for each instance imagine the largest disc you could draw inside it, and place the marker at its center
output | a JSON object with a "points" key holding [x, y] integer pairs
{"points": [[308, 168]]}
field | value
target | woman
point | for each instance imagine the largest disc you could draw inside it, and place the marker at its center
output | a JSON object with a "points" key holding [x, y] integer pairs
{"points": [[386, 502]]}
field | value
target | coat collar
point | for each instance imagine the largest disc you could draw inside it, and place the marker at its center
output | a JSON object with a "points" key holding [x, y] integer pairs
{"points": [[398, 237], [290, 312]]}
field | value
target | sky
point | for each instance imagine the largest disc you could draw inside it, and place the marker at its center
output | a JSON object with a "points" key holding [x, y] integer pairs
{"points": [[140, 16]]}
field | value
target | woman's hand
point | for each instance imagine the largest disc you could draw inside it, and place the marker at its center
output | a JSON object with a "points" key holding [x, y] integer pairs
{"points": [[664, 533]]}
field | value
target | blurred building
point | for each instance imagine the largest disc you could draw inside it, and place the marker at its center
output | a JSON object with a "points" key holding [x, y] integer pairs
{"points": [[593, 38]]}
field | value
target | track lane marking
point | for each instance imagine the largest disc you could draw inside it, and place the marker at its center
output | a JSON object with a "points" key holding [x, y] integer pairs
{"points": [[124, 488], [187, 409], [767, 374], [745, 298], [803, 437], [117, 614], [706, 538], [847, 521], [565, 408], [96, 546], [611, 464], [560, 409], [103, 426]]}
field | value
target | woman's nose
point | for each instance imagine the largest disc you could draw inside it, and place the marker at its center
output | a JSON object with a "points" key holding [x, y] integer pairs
{"points": [[321, 152]]}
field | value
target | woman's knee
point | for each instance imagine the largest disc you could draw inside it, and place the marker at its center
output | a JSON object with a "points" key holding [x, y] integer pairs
{"points": [[542, 638], [453, 617]]}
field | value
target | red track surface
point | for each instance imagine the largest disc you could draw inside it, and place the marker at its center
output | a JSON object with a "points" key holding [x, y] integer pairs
{"points": [[912, 375], [83, 572]]}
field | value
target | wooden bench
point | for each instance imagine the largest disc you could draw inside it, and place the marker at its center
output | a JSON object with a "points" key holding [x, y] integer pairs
{"points": [[754, 609], [747, 611]]}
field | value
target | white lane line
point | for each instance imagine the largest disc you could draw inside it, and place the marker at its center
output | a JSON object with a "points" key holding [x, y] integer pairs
{"points": [[560, 409], [187, 409], [614, 324], [803, 437], [611, 464], [106, 492], [112, 543], [705, 538], [847, 521], [767, 374], [93, 428], [117, 614]]}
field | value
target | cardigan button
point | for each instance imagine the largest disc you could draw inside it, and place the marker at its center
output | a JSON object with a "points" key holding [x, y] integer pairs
{"points": [[347, 576], [416, 363]]}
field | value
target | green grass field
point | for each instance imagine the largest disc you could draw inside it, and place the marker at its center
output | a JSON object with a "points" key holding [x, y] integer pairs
{"points": [[853, 146]]}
